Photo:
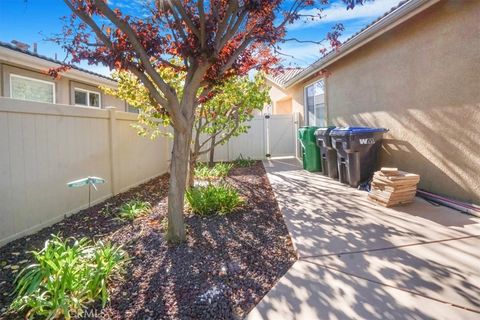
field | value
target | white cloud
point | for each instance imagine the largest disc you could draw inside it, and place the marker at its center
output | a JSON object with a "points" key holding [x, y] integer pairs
{"points": [[337, 12]]}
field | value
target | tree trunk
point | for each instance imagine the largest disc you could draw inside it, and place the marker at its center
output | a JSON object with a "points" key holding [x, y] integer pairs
{"points": [[211, 159], [191, 171], [178, 180]]}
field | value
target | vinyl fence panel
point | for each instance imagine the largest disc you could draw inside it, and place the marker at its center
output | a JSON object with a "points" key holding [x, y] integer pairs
{"points": [[44, 146]]}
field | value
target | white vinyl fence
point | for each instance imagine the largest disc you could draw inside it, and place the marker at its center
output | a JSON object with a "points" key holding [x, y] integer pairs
{"points": [[272, 135], [44, 146]]}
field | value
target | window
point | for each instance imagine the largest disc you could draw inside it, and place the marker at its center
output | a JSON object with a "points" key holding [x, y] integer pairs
{"points": [[25, 88], [87, 98], [132, 109], [315, 104]]}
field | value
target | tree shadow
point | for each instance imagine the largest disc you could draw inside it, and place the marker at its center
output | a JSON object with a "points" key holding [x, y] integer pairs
{"points": [[357, 260], [226, 266]]}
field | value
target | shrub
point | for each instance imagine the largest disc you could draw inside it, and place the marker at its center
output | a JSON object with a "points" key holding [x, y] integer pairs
{"points": [[244, 162], [213, 199], [219, 170], [66, 276], [133, 209]]}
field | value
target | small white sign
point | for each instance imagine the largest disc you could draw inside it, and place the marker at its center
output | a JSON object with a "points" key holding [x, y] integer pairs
{"points": [[367, 141]]}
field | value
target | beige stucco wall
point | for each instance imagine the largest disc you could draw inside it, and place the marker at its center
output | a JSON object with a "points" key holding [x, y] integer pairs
{"points": [[422, 81], [64, 86], [283, 106], [293, 94]]}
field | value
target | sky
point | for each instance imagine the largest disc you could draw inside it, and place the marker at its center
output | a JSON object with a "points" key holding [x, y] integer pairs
{"points": [[32, 21]]}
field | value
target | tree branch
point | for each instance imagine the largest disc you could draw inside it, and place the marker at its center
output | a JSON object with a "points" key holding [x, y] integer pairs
{"points": [[185, 17], [201, 13], [167, 90]]}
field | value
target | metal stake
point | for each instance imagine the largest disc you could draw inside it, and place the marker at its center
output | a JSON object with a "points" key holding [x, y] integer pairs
{"points": [[89, 191]]}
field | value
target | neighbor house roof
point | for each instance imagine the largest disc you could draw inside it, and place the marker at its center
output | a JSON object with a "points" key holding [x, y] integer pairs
{"points": [[284, 75], [405, 10], [13, 54]]}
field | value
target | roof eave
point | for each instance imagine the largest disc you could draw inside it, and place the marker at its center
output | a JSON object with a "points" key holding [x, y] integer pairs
{"points": [[405, 12], [280, 84], [36, 63], [269, 78]]}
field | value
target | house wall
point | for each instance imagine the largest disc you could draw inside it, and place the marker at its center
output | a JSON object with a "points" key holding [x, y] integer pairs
{"points": [[106, 100], [421, 80], [293, 94], [44, 146], [64, 86], [283, 106]]}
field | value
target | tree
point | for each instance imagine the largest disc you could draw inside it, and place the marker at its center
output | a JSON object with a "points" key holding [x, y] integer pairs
{"points": [[217, 119], [214, 39], [225, 115]]}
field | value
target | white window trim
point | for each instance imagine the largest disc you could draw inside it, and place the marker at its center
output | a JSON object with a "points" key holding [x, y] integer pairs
{"points": [[305, 111], [13, 75], [88, 98]]}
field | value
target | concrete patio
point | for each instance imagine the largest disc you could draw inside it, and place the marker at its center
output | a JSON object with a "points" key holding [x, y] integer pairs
{"points": [[358, 260]]}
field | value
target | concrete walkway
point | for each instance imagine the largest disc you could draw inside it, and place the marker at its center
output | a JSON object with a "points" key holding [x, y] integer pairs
{"points": [[358, 260]]}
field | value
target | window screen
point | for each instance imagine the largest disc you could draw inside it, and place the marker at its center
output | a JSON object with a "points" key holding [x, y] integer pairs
{"points": [[24, 88], [87, 98], [315, 104]]}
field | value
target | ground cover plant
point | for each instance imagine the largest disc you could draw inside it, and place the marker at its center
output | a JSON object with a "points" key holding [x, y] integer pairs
{"points": [[133, 209], [213, 199], [213, 40], [244, 162], [222, 270], [66, 276], [219, 170]]}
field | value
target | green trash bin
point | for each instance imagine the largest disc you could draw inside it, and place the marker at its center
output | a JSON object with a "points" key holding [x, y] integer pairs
{"points": [[310, 151]]}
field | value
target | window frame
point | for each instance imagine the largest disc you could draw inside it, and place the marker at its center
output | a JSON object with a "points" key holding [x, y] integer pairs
{"points": [[137, 110], [52, 83], [88, 98], [305, 106]]}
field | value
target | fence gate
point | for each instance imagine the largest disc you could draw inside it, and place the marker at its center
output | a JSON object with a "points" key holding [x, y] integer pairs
{"points": [[280, 135], [268, 136]]}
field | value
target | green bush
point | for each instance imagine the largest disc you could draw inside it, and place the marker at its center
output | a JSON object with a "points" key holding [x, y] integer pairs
{"points": [[219, 170], [213, 199], [244, 162], [133, 209], [66, 276]]}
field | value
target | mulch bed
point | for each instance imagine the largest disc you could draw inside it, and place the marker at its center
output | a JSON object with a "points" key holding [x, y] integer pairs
{"points": [[225, 267]]}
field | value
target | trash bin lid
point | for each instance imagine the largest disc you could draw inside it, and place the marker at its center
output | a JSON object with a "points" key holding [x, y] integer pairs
{"points": [[323, 131], [307, 133], [355, 130], [308, 128]]}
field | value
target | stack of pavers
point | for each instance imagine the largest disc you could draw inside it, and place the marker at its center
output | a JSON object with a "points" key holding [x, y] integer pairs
{"points": [[392, 187]]}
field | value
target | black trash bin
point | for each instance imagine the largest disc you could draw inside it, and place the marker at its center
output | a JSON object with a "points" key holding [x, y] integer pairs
{"points": [[328, 155], [357, 152]]}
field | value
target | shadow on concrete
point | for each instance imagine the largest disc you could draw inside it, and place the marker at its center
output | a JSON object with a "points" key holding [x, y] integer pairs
{"points": [[360, 260]]}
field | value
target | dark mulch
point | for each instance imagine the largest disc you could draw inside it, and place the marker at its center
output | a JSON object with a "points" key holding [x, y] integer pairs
{"points": [[222, 271]]}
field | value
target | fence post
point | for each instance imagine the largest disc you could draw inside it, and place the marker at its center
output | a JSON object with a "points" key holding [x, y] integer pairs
{"points": [[296, 126], [113, 144]]}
